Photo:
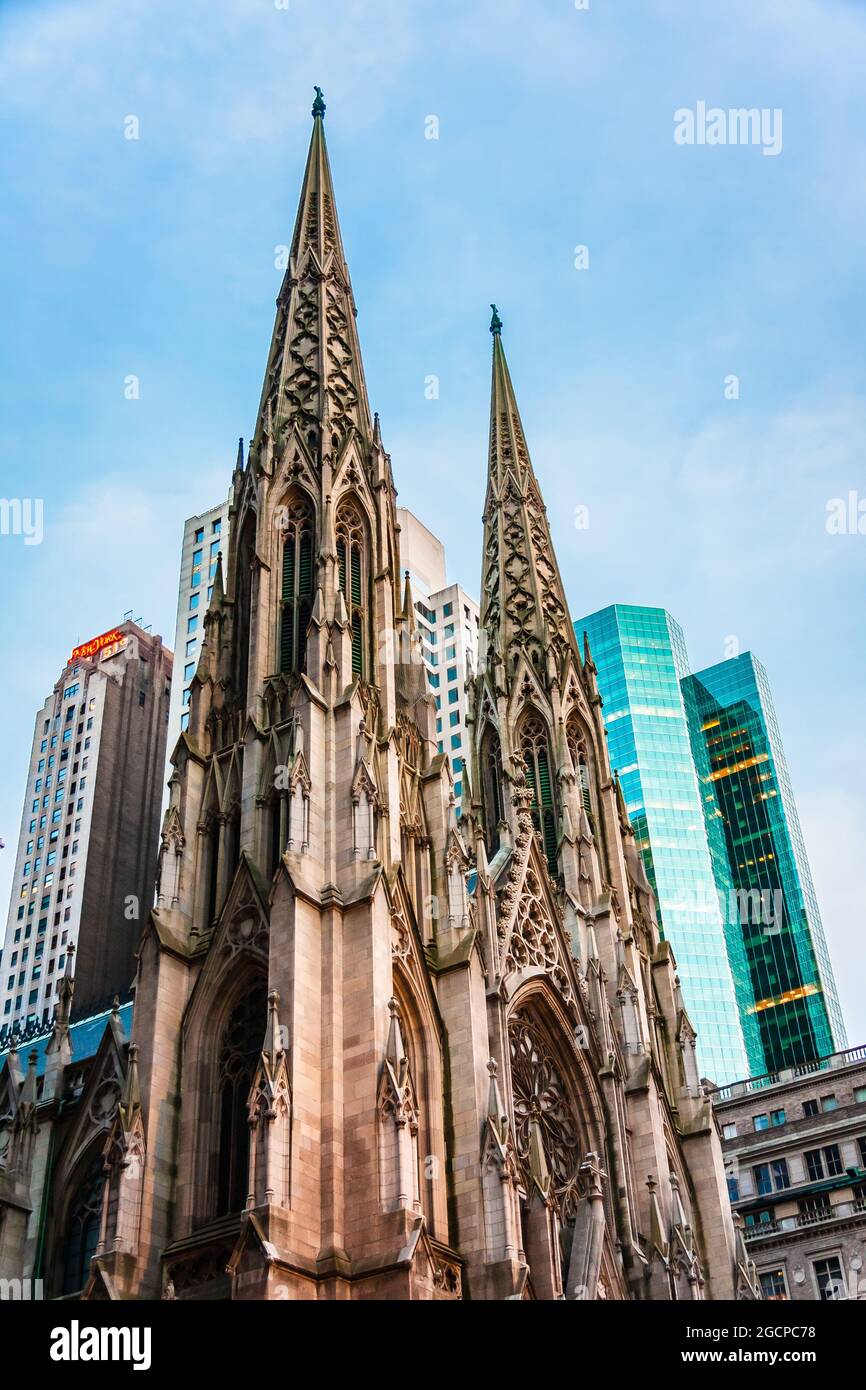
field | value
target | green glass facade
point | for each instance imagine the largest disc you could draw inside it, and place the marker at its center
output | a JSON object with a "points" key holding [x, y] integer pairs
{"points": [[641, 658], [747, 795]]}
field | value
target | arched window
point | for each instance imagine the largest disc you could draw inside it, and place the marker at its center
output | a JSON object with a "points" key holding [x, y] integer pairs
{"points": [[212, 863], [536, 754], [352, 561], [241, 1048], [580, 760], [491, 781], [82, 1228], [296, 595], [246, 552]]}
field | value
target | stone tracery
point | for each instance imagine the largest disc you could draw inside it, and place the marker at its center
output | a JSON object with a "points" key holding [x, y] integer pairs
{"points": [[541, 1098]]}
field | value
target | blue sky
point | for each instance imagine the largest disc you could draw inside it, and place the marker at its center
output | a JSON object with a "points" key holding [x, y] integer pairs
{"points": [[156, 257]]}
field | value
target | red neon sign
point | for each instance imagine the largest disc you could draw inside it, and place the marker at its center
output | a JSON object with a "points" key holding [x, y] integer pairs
{"points": [[96, 644]]}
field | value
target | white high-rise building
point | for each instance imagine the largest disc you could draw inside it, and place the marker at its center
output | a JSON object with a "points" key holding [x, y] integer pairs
{"points": [[87, 849], [204, 537], [447, 618]]}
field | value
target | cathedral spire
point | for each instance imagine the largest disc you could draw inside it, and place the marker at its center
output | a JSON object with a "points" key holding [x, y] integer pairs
{"points": [[315, 378], [523, 604]]}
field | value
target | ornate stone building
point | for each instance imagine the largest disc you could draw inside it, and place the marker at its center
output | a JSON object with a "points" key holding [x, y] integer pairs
{"points": [[385, 1047]]}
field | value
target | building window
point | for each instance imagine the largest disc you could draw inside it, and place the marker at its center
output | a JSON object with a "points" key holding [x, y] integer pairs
{"points": [[189, 671], [82, 1229], [773, 1285], [829, 1103], [771, 1177], [729, 1131], [759, 1218], [828, 1279], [536, 756], [777, 1117], [491, 780], [241, 1047], [810, 1107], [296, 597], [199, 537], [760, 1122], [351, 558], [814, 1208], [193, 600]]}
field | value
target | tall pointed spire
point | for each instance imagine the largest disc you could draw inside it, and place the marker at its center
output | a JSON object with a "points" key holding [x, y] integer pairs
{"points": [[523, 604], [315, 378]]}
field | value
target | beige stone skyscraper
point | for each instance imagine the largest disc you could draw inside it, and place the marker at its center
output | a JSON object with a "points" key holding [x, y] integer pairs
{"points": [[380, 1051], [89, 831]]}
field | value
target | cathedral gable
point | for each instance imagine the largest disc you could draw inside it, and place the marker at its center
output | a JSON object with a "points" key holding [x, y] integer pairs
{"points": [[526, 689], [97, 1107], [531, 939]]}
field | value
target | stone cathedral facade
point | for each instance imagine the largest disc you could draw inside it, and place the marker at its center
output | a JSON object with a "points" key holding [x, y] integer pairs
{"points": [[385, 1046]]}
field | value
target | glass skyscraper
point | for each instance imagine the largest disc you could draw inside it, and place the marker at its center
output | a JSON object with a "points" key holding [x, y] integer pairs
{"points": [[641, 658], [747, 794]]}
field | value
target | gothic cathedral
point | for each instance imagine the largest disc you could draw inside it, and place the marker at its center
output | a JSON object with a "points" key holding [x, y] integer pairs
{"points": [[385, 1045]]}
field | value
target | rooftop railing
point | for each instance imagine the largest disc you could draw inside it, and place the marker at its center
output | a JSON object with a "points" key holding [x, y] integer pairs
{"points": [[751, 1084], [805, 1219]]}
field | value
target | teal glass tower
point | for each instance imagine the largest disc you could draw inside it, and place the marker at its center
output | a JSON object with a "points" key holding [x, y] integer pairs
{"points": [[641, 658], [747, 793]]}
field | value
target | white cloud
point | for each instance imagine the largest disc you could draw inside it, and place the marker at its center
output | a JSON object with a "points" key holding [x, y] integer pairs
{"points": [[834, 828]]}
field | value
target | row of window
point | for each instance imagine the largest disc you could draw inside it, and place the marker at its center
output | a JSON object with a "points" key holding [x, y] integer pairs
{"points": [[216, 529], [41, 864], [812, 1106], [192, 622], [828, 1280], [819, 1163]]}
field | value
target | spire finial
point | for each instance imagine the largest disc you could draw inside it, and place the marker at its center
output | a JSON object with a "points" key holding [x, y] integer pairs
{"points": [[319, 103], [495, 322]]}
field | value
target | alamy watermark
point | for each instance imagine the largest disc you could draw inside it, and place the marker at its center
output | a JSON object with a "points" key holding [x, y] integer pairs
{"points": [[22, 516], [743, 907], [712, 125], [846, 516], [21, 1290]]}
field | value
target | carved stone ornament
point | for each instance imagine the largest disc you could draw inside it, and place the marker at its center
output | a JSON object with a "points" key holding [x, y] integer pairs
{"points": [[246, 931], [103, 1105]]}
